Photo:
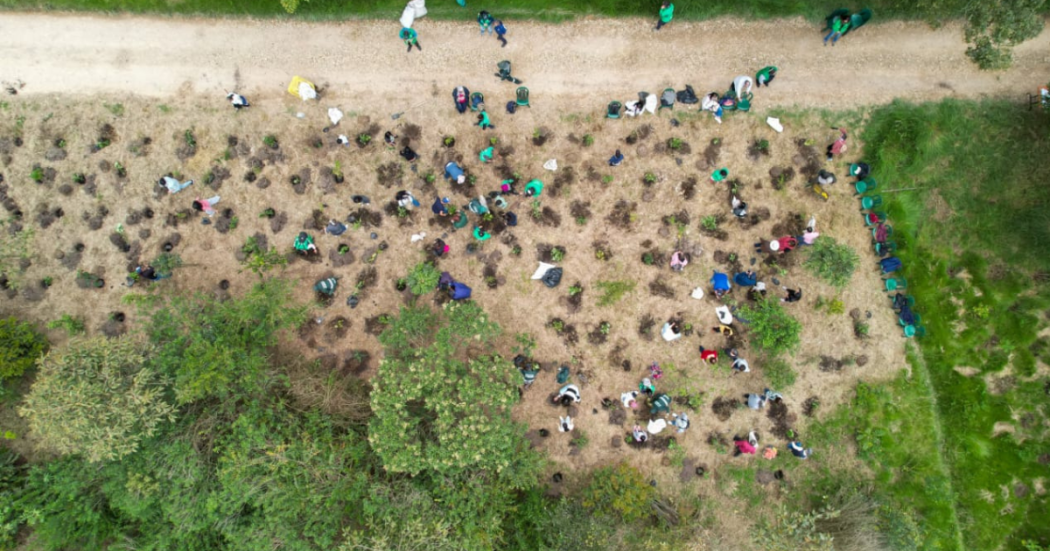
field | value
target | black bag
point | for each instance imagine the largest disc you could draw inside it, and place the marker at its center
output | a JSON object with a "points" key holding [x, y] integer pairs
{"points": [[552, 278], [687, 96], [511, 107]]}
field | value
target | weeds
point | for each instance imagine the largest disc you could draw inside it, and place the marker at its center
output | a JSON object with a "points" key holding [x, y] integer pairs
{"points": [[613, 291], [71, 325]]}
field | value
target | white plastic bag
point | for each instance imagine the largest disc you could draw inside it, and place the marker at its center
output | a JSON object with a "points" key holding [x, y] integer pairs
{"points": [[775, 124], [542, 270], [551, 164]]}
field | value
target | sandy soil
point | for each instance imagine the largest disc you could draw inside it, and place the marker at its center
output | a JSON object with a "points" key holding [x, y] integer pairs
{"points": [[591, 61], [71, 89]]}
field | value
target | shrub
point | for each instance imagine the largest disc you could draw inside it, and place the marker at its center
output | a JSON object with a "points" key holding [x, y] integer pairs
{"points": [[709, 223], [168, 262], [773, 330], [423, 278], [779, 374], [613, 291], [620, 490], [95, 398], [20, 346], [71, 325], [831, 261]]}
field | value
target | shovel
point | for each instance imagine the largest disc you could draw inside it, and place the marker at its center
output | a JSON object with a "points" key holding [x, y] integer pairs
{"points": [[397, 115]]}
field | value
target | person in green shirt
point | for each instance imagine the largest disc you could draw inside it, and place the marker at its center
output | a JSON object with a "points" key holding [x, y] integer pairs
{"points": [[765, 76], [838, 28], [304, 244], [410, 37], [661, 403], [483, 121], [481, 234], [719, 175], [666, 14], [459, 220], [486, 154], [533, 188]]}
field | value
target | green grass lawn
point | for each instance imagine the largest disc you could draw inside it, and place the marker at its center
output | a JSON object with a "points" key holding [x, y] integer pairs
{"points": [[973, 223], [546, 10]]}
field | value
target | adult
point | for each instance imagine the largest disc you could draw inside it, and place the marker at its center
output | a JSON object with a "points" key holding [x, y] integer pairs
{"points": [[671, 331], [719, 175], [304, 244], [742, 86], [567, 395], [454, 172], [721, 285], [793, 295], [765, 76], [411, 38], [390, 139], [510, 219], [238, 101], [501, 31], [483, 120], [408, 154], [639, 435], [485, 21], [207, 206], [798, 450], [680, 421], [746, 278], [748, 446], [660, 403], [461, 97], [740, 366], [405, 200], [739, 207], [838, 28], [837, 147], [335, 227], [825, 178], [708, 355], [646, 387], [360, 199], [147, 273], [459, 220], [173, 185], [529, 373], [565, 424], [758, 401], [666, 14], [486, 154], [478, 205], [480, 234], [439, 207], [679, 260], [616, 159], [534, 188], [629, 399]]}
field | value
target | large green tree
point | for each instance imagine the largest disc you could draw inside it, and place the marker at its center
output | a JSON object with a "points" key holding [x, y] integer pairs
{"points": [[994, 27], [221, 349], [442, 396], [20, 346], [95, 397]]}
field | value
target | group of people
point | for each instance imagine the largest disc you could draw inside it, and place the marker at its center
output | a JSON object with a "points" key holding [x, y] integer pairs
{"points": [[486, 22]]}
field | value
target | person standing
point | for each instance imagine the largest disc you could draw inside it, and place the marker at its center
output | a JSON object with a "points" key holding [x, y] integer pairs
{"points": [[411, 38], [500, 32], [666, 14], [485, 21]]}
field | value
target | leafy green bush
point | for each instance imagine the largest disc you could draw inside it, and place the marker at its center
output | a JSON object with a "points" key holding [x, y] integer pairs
{"points": [[438, 408], [423, 278], [72, 325], [620, 490], [613, 291], [773, 330], [993, 28], [96, 398], [20, 346], [831, 261]]}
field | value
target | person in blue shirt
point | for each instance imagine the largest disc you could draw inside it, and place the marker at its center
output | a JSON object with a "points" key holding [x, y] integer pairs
{"points": [[500, 32]]}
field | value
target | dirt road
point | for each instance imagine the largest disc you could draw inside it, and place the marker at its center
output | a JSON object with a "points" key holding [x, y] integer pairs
{"points": [[599, 60]]}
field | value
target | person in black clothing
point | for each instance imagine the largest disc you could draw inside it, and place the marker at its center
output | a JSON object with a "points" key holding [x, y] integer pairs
{"points": [[793, 295], [408, 154], [510, 218]]}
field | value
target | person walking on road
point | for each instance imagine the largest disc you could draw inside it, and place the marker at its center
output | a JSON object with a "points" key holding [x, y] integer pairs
{"points": [[666, 14]]}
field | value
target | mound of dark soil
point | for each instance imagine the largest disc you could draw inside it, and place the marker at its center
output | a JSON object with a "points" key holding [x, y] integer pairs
{"points": [[723, 408], [623, 214], [645, 327], [658, 288]]}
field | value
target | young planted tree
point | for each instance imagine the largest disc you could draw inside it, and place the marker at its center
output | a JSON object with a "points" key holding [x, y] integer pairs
{"points": [[220, 349], [97, 398], [773, 330], [20, 346], [423, 278], [832, 261]]}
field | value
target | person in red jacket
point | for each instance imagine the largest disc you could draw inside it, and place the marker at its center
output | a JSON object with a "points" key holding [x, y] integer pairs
{"points": [[709, 356], [749, 446]]}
